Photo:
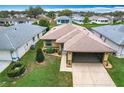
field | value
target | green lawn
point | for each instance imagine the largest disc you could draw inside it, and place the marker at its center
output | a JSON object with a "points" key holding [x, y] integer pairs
{"points": [[117, 71], [45, 75], [89, 26], [92, 25]]}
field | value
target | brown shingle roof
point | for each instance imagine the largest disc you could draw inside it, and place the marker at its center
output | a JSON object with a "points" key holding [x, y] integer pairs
{"points": [[68, 36], [56, 33], [84, 43], [77, 39]]}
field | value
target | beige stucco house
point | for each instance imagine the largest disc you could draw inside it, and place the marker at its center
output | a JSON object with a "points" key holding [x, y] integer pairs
{"points": [[77, 43]]}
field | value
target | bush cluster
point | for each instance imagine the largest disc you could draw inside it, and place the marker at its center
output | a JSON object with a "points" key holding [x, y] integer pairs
{"points": [[16, 69], [40, 56], [49, 50]]}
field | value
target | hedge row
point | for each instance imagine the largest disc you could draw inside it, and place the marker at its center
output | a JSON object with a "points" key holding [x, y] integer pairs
{"points": [[16, 69]]}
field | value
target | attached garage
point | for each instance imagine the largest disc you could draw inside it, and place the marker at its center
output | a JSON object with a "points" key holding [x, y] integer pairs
{"points": [[79, 57]]}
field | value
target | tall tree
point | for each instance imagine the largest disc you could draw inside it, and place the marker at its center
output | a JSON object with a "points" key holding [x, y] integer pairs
{"points": [[44, 22], [86, 20], [51, 14], [34, 11], [65, 12]]}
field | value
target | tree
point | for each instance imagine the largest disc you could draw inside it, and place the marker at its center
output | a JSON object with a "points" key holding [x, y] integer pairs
{"points": [[44, 22], [51, 14], [39, 56], [86, 20], [34, 11], [65, 12], [4, 14]]}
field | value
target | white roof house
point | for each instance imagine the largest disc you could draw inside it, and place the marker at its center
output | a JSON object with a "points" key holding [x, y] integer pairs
{"points": [[16, 40], [78, 19], [14, 21], [63, 20], [99, 20], [112, 35]]}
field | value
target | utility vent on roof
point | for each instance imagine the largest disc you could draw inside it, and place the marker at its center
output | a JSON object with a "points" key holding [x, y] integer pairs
{"points": [[15, 28]]}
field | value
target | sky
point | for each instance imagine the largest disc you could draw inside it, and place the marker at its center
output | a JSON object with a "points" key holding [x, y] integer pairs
{"points": [[85, 8]]}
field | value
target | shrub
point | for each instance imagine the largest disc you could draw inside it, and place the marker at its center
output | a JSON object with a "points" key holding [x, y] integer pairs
{"points": [[32, 47], [50, 50], [39, 56], [16, 69], [45, 23]]}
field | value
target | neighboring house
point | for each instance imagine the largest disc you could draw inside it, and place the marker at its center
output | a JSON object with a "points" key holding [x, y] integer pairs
{"points": [[20, 15], [16, 40], [78, 19], [112, 35], [4, 21], [21, 20], [77, 43], [63, 20], [39, 17], [15, 21], [100, 20]]}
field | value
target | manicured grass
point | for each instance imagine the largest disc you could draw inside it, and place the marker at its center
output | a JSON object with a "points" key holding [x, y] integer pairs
{"points": [[117, 71], [44, 75], [89, 26]]}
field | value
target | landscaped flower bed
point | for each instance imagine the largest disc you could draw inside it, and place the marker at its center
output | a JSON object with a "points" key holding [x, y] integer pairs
{"points": [[16, 69]]}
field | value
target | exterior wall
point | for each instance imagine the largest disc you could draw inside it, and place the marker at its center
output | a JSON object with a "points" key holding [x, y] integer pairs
{"points": [[105, 57], [119, 49], [24, 48], [54, 44], [78, 21], [99, 22], [59, 22], [5, 55], [69, 59]]}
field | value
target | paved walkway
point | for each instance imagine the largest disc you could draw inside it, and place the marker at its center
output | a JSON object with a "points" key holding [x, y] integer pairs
{"points": [[90, 75], [63, 64], [4, 65]]}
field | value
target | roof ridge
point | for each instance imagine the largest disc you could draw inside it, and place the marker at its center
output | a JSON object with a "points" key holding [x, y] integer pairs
{"points": [[9, 40], [76, 40]]}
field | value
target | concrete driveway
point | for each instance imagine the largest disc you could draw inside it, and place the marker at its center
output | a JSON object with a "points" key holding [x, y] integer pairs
{"points": [[4, 65], [90, 75]]}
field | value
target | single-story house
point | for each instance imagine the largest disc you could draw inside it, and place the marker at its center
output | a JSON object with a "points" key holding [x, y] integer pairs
{"points": [[79, 44], [78, 19], [16, 40], [100, 20], [113, 35], [63, 20], [42, 16], [4, 21], [21, 20], [15, 21], [19, 15]]}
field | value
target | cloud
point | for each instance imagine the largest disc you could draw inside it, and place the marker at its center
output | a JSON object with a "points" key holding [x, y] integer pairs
{"points": [[95, 9]]}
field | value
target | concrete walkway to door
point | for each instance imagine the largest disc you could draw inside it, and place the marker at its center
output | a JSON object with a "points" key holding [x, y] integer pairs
{"points": [[90, 75]]}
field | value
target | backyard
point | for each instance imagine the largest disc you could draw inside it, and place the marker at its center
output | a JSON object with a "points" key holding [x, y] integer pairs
{"points": [[43, 75], [117, 71]]}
